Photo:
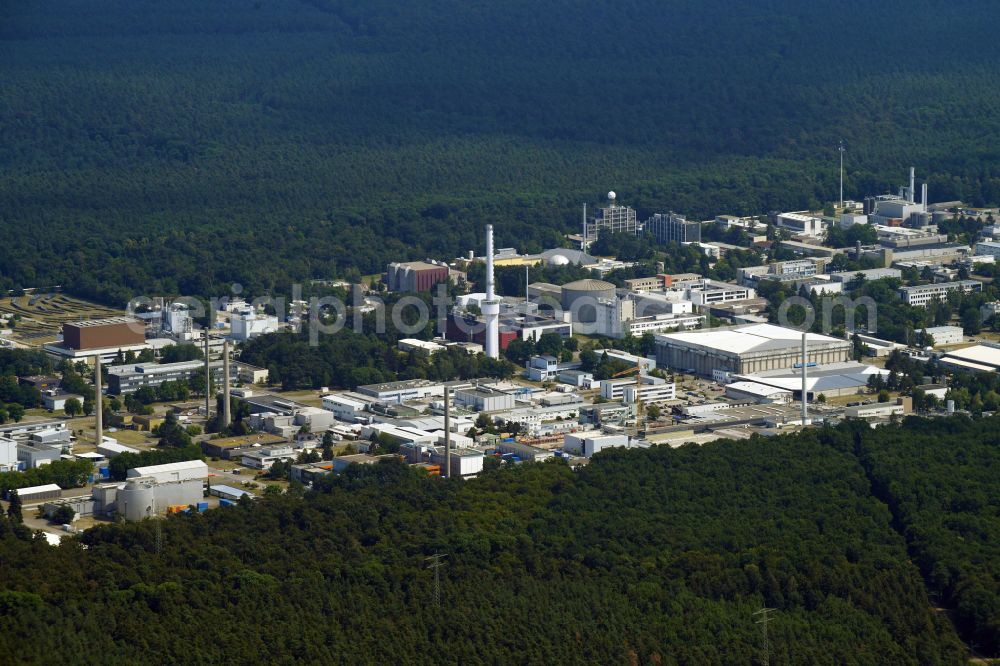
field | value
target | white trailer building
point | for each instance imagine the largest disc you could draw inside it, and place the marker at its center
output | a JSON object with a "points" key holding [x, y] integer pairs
{"points": [[178, 471]]}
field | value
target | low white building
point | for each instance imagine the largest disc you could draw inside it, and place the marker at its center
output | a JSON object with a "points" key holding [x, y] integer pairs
{"points": [[946, 335], [542, 367], [178, 471], [112, 448], [877, 410], [55, 401], [647, 364], [800, 223], [402, 391], [483, 399], [711, 292], [525, 451], [761, 393], [577, 378], [419, 347], [850, 219], [587, 444], [248, 324], [264, 458], [921, 295], [825, 287], [650, 390], [464, 462], [8, 455], [988, 248], [344, 408]]}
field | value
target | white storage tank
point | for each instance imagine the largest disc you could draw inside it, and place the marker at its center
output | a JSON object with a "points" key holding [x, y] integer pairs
{"points": [[137, 500]]}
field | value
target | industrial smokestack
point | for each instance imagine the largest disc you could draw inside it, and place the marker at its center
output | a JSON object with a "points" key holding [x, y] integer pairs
{"points": [[491, 307], [913, 184], [208, 381], [527, 281], [227, 417], [584, 246], [447, 431], [805, 392], [98, 403], [923, 197], [489, 262]]}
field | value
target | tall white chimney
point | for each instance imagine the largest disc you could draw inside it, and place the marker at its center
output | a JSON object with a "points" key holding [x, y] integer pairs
{"points": [[913, 185], [805, 392], [98, 403], [227, 419], [923, 197], [491, 307]]}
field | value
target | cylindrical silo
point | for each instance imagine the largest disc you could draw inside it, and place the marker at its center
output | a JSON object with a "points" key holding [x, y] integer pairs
{"points": [[137, 500], [580, 297]]}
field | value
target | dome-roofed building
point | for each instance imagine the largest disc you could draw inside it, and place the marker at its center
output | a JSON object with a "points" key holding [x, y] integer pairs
{"points": [[580, 297]]}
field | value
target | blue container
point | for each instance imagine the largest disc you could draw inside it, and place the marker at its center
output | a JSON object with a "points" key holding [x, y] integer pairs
{"points": [[225, 502], [202, 507], [104, 472]]}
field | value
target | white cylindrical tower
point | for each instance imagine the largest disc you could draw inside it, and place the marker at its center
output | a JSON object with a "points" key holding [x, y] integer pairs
{"points": [[805, 390], [137, 500], [98, 403], [227, 417], [913, 184], [491, 306]]}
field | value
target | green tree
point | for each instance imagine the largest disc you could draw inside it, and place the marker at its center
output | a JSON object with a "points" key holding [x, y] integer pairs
{"points": [[14, 508], [15, 411], [172, 434], [63, 515], [72, 407]]}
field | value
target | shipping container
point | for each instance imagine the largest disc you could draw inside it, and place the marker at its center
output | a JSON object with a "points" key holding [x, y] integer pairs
{"points": [[225, 502], [202, 507]]}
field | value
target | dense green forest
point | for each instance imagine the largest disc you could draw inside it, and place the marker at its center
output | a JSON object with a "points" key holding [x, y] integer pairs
{"points": [[164, 147], [644, 556], [944, 496]]}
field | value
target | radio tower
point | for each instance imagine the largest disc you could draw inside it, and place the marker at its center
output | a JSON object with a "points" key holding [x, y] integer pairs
{"points": [[840, 149]]}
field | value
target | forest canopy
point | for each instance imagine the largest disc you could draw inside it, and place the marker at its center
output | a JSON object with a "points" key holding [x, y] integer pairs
{"points": [[652, 556], [164, 148]]}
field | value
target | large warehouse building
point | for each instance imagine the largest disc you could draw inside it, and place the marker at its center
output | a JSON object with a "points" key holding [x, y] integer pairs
{"points": [[98, 333], [745, 349], [833, 380], [83, 340], [977, 358], [415, 276]]}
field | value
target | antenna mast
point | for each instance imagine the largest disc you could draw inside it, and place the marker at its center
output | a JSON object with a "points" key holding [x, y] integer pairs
{"points": [[841, 150]]}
